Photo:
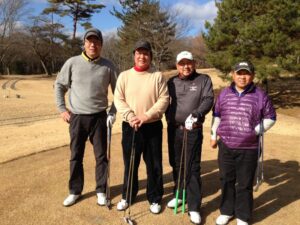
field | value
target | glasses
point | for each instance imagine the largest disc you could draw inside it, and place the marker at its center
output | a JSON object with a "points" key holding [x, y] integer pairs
{"points": [[185, 63], [140, 53], [244, 72], [92, 41]]}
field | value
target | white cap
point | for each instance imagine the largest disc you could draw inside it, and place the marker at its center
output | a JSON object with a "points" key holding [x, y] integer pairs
{"points": [[184, 55]]}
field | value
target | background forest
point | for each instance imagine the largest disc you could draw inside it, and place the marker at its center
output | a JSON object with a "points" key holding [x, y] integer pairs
{"points": [[266, 32]]}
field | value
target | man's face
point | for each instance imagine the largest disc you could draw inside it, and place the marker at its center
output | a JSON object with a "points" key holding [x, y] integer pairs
{"points": [[185, 67], [142, 58], [92, 47], [242, 78]]}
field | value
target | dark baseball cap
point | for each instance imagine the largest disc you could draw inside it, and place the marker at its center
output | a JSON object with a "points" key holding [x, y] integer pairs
{"points": [[142, 44], [244, 65], [93, 32]]}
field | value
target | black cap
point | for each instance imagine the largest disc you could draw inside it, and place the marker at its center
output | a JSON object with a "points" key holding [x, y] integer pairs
{"points": [[93, 32], [142, 44], [244, 65]]}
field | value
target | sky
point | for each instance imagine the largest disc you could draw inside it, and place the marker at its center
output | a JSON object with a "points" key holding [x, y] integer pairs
{"points": [[195, 11]]}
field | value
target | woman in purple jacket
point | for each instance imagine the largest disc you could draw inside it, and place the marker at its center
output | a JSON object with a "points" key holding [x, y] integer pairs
{"points": [[237, 115]]}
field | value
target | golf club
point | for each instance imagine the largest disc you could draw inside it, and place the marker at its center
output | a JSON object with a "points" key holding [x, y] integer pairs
{"points": [[184, 171], [128, 219], [183, 149], [108, 200], [260, 159]]}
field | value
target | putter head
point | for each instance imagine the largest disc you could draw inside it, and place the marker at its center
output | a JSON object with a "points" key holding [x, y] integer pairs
{"points": [[108, 204], [257, 185], [128, 220]]}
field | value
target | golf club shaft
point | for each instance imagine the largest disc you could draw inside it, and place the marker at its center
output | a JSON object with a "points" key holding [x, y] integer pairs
{"points": [[184, 170], [108, 203], [179, 177], [130, 176], [259, 169]]}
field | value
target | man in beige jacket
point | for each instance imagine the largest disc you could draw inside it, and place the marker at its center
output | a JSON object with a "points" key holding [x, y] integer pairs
{"points": [[141, 97]]}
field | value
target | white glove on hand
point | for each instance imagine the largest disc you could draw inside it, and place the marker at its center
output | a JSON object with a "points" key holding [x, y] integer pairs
{"points": [[190, 120], [111, 118]]}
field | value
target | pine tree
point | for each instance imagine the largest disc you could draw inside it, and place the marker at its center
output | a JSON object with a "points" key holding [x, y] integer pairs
{"points": [[45, 39], [265, 32], [78, 10], [143, 19]]}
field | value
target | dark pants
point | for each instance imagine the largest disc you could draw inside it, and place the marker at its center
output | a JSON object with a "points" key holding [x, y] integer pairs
{"points": [[81, 128], [148, 141], [237, 171], [193, 159]]}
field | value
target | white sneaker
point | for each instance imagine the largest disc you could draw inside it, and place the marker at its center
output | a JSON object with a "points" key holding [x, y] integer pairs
{"points": [[223, 219], [71, 200], [172, 203], [155, 208], [122, 205], [101, 199], [195, 217], [241, 222]]}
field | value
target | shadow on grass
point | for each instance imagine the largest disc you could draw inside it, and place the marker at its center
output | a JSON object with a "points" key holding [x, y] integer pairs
{"points": [[283, 189], [284, 185]]}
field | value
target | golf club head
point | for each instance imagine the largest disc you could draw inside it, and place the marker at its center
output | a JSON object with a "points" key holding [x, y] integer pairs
{"points": [[108, 204], [257, 185], [128, 220]]}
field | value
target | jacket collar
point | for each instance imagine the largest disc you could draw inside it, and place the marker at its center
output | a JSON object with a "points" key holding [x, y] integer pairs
{"points": [[84, 55], [249, 88], [190, 77]]}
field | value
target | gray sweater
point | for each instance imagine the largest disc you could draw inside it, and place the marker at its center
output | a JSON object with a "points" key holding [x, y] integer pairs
{"points": [[87, 82]]}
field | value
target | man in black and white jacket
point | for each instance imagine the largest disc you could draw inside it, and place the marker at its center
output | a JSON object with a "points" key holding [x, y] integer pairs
{"points": [[191, 98]]}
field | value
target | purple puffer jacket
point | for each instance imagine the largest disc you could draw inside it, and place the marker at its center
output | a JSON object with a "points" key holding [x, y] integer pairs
{"points": [[240, 113]]}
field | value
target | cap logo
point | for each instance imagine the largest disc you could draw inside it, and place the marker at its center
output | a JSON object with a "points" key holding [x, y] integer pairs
{"points": [[243, 64]]}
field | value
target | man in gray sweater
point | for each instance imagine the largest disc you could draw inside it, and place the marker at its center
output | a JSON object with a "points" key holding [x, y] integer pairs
{"points": [[87, 77]]}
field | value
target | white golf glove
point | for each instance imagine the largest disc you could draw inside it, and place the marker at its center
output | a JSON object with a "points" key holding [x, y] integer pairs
{"points": [[190, 120], [111, 118]]}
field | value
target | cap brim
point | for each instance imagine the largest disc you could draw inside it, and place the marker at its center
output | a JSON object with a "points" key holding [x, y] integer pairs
{"points": [[142, 47], [185, 58], [247, 69], [92, 34]]}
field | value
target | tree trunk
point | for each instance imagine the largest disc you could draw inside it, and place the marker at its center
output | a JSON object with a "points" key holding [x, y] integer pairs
{"points": [[265, 82], [7, 70], [45, 68], [74, 29], [75, 24]]}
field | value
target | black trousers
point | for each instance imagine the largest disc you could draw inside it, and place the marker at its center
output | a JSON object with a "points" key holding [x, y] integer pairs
{"points": [[193, 159], [237, 172], [148, 141], [81, 128]]}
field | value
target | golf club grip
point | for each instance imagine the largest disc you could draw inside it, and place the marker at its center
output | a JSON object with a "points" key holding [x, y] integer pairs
{"points": [[176, 202], [183, 202]]}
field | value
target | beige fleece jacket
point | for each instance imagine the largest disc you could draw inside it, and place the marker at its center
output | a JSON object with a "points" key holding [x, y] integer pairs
{"points": [[139, 93]]}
